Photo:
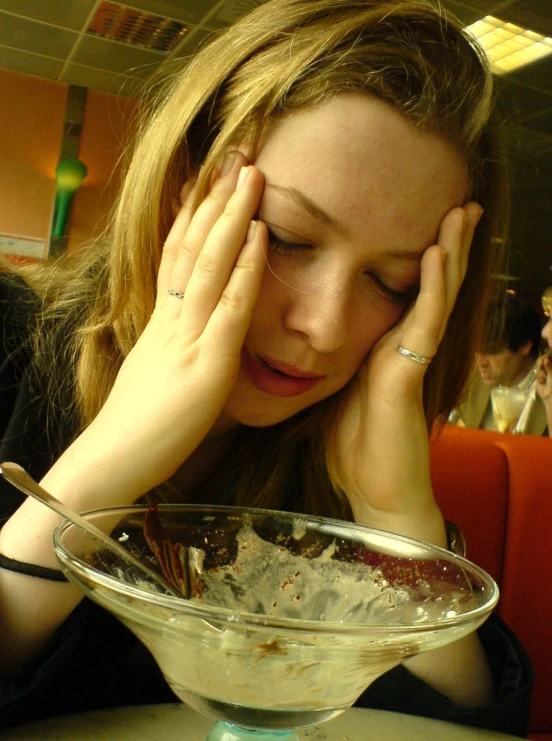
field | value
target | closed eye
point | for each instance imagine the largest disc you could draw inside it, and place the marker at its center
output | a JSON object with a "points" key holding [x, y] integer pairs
{"points": [[399, 297], [278, 244]]}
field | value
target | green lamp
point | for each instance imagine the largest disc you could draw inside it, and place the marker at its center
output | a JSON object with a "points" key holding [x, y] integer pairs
{"points": [[69, 176]]}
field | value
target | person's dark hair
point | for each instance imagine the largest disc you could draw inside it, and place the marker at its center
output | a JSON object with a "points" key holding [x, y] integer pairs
{"points": [[512, 323]]}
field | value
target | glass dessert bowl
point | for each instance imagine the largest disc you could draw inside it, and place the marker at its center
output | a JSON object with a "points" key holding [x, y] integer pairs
{"points": [[284, 619]]}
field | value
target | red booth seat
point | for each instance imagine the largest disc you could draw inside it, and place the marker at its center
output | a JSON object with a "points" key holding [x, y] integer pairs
{"points": [[498, 489]]}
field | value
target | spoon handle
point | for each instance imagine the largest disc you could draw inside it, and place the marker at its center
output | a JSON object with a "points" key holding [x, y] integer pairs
{"points": [[18, 477]]}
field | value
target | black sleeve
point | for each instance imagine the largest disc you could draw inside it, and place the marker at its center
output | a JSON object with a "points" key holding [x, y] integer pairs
{"points": [[28, 440], [33, 432], [17, 308], [92, 662], [400, 691]]}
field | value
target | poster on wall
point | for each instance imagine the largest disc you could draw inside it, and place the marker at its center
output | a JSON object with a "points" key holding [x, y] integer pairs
{"points": [[26, 247]]}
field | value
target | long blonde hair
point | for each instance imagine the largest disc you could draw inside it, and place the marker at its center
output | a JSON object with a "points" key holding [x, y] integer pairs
{"points": [[284, 56]]}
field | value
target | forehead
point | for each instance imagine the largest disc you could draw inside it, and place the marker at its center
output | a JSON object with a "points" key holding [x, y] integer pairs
{"points": [[362, 161]]}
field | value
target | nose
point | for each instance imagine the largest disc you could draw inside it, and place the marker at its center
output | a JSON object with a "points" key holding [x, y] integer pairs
{"points": [[321, 315], [547, 332]]}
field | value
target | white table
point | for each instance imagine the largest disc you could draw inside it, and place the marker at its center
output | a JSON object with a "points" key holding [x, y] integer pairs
{"points": [[179, 723]]}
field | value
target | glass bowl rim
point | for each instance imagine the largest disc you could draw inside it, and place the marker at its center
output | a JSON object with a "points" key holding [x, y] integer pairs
{"points": [[209, 612]]}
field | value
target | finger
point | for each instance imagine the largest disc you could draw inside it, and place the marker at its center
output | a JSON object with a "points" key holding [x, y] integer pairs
{"points": [[455, 241], [229, 322], [172, 244], [186, 239], [443, 268], [455, 237], [217, 259], [422, 326], [474, 212]]}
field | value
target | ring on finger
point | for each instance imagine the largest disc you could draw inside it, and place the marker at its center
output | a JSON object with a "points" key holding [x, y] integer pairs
{"points": [[177, 294], [422, 359]]}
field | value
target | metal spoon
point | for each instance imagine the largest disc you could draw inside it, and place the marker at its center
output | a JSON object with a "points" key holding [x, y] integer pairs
{"points": [[19, 478]]}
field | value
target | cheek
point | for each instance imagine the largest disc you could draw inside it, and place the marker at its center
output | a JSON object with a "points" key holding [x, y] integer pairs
{"points": [[267, 309], [376, 316], [369, 326]]}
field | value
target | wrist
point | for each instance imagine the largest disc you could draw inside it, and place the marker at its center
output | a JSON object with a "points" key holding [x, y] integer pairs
{"points": [[426, 524], [86, 481]]}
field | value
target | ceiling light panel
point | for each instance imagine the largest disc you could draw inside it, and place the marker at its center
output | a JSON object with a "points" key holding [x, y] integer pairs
{"points": [[136, 27], [508, 46]]}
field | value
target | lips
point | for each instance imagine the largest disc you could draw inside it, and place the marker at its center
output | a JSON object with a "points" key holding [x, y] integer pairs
{"points": [[276, 378]]}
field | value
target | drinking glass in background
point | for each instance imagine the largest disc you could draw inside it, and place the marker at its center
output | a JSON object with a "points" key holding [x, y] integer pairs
{"points": [[507, 405]]}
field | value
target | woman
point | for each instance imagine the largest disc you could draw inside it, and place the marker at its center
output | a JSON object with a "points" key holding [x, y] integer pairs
{"points": [[265, 323]]}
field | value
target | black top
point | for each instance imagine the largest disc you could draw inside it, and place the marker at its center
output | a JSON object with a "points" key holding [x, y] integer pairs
{"points": [[94, 661], [15, 316]]}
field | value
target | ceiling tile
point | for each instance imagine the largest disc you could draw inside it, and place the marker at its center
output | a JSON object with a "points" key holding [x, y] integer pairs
{"points": [[69, 14], [189, 11], [39, 38], [98, 79], [487, 7], [464, 13], [231, 10], [527, 101], [533, 14], [21, 61], [191, 42], [537, 75], [542, 122], [133, 61]]}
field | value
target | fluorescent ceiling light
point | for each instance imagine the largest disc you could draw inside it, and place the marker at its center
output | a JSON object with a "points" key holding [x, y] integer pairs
{"points": [[509, 46]]}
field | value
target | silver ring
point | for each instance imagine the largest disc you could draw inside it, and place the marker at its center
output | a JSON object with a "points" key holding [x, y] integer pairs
{"points": [[177, 294], [422, 359]]}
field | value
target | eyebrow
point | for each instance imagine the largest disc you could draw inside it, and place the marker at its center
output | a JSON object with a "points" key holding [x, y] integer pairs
{"points": [[314, 210], [310, 207]]}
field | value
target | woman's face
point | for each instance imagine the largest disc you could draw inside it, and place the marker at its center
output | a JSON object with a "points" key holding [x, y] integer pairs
{"points": [[547, 332], [353, 196], [547, 308]]}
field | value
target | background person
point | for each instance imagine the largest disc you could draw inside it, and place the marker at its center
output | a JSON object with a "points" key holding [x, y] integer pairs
{"points": [[544, 367], [507, 359], [265, 325]]}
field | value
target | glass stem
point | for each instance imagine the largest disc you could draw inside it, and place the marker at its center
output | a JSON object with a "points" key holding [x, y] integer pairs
{"points": [[228, 732]]}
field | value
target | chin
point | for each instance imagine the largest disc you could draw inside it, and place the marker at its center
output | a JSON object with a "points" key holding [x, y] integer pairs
{"points": [[258, 417], [263, 412]]}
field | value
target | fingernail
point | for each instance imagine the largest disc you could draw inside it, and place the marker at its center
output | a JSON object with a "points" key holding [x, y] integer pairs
{"points": [[478, 217], [227, 163], [244, 172], [251, 231]]}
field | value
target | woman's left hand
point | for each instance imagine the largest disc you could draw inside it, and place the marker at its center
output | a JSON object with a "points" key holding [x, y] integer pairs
{"points": [[544, 385], [380, 448], [544, 378]]}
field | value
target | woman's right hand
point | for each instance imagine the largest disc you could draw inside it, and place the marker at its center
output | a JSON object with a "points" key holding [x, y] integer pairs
{"points": [[168, 394], [174, 383]]}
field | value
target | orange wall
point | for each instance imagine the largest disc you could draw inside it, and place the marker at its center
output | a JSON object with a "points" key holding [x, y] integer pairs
{"points": [[31, 129], [32, 115], [106, 129]]}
